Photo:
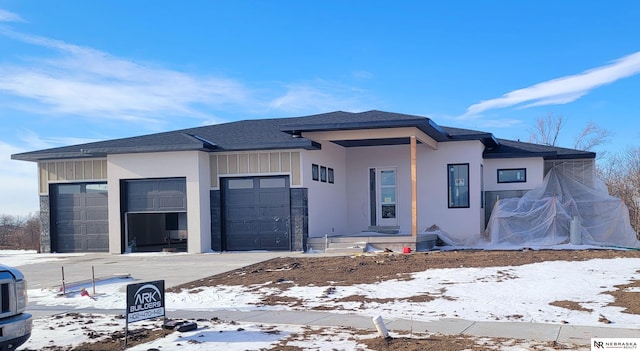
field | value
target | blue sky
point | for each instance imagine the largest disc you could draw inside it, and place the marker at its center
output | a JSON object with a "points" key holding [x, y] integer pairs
{"points": [[78, 71]]}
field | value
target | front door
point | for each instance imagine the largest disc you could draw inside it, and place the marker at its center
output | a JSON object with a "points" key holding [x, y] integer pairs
{"points": [[384, 196]]}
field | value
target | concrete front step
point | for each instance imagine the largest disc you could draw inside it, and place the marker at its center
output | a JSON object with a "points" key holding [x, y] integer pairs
{"points": [[360, 243]]}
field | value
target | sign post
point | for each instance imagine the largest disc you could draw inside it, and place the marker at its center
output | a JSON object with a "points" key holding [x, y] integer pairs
{"points": [[144, 301]]}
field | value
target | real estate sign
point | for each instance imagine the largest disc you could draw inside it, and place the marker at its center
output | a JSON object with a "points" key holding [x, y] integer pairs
{"points": [[145, 301]]}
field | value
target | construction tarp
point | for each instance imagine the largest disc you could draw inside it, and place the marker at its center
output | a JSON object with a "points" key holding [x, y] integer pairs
{"points": [[571, 206]]}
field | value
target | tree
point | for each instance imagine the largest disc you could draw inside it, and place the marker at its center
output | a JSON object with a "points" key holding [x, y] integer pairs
{"points": [[20, 232], [547, 129], [621, 174], [591, 136]]}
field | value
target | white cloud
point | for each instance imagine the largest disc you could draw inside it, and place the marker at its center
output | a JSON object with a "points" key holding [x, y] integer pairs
{"points": [[561, 90], [36, 142], [362, 75], [19, 185], [6, 16], [319, 95], [87, 82], [81, 81]]}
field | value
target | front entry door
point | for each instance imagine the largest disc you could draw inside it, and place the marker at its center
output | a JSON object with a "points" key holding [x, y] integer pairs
{"points": [[384, 197]]}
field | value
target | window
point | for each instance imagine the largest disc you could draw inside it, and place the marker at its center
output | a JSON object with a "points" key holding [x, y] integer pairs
{"points": [[458, 183], [67, 189], [272, 183], [97, 188], [314, 172], [383, 196], [323, 174], [241, 183], [515, 175]]}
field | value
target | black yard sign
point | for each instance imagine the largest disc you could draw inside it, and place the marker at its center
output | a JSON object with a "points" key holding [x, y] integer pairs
{"points": [[145, 301]]}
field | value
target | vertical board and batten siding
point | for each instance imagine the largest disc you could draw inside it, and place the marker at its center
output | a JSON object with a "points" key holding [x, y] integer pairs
{"points": [[70, 171], [256, 163]]}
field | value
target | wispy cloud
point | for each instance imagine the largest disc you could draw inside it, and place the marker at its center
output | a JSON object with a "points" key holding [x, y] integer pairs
{"points": [[88, 82], [6, 16], [34, 141], [80, 81], [18, 186], [319, 95], [561, 90]]}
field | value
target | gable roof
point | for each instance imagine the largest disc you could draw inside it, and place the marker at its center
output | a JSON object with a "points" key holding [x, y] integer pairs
{"points": [[284, 133]]}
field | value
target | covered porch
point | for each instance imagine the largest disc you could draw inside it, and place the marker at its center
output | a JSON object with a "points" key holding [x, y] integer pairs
{"points": [[380, 165]]}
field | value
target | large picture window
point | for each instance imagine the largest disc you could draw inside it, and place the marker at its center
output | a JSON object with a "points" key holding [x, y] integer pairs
{"points": [[458, 182]]}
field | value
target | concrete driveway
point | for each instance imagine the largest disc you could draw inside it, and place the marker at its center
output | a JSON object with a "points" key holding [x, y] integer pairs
{"points": [[173, 268]]}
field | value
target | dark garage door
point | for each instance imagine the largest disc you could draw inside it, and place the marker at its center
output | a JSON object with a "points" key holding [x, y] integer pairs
{"points": [[80, 217], [256, 214], [156, 213], [156, 195]]}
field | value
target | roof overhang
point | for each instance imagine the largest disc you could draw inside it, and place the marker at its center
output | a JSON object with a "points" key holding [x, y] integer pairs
{"points": [[371, 133], [487, 139], [103, 152], [548, 155], [372, 137]]}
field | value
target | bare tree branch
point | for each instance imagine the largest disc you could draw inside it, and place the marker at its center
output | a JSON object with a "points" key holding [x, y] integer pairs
{"points": [[547, 129], [591, 136]]}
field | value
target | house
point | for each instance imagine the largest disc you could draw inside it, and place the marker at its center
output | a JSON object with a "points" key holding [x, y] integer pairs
{"points": [[282, 184]]}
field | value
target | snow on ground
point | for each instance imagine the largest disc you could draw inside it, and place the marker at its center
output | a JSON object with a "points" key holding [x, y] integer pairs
{"points": [[231, 336], [518, 293], [17, 258], [511, 293]]}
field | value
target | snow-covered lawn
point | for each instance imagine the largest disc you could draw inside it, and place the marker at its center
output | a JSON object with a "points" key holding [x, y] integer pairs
{"points": [[510, 293]]}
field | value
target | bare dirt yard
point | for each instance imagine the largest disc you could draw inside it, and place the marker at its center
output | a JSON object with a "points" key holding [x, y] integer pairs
{"points": [[340, 270]]}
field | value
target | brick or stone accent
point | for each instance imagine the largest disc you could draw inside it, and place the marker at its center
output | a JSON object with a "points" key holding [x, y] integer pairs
{"points": [[299, 218], [216, 220], [45, 220]]}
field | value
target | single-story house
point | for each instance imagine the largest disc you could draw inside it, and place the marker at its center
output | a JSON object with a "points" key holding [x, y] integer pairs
{"points": [[280, 184]]}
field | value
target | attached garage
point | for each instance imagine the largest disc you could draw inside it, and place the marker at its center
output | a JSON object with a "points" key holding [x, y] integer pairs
{"points": [[79, 217], [155, 214], [256, 213]]}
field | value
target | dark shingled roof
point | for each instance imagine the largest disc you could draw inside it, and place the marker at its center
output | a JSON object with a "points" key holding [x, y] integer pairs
{"points": [[276, 133], [511, 149]]}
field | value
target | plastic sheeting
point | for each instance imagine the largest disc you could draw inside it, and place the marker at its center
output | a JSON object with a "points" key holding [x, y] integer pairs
{"points": [[572, 206]]}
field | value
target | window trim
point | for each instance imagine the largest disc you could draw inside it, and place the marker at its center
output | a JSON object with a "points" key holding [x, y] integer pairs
{"points": [[449, 186], [498, 178]]}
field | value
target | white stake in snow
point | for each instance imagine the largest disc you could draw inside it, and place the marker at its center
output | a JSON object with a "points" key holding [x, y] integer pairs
{"points": [[382, 329]]}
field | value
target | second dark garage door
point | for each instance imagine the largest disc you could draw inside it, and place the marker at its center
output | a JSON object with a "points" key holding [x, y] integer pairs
{"points": [[256, 214]]}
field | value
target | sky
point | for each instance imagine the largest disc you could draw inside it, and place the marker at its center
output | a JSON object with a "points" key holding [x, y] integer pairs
{"points": [[80, 71], [495, 294]]}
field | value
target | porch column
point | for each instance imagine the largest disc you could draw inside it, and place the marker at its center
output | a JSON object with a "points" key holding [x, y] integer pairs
{"points": [[414, 189]]}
